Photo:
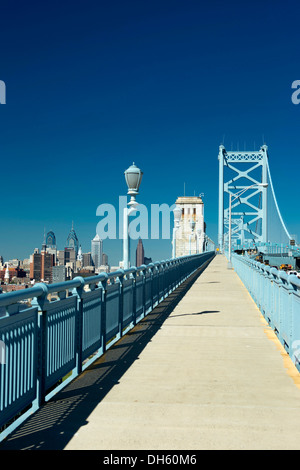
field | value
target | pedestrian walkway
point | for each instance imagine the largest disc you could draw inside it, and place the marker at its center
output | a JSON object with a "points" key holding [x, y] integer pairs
{"points": [[209, 375]]}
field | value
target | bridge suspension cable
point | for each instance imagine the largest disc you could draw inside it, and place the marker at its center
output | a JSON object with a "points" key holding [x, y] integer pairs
{"points": [[276, 204]]}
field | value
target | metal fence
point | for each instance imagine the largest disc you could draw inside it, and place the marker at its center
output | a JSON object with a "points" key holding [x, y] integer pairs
{"points": [[51, 333], [277, 295]]}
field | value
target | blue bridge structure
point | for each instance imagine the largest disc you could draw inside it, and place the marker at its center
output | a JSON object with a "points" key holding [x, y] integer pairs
{"points": [[228, 301]]}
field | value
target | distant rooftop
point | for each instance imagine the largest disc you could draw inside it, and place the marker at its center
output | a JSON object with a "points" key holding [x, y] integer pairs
{"points": [[189, 200]]}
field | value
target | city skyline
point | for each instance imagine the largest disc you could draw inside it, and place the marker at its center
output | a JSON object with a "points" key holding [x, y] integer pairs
{"points": [[162, 85]]}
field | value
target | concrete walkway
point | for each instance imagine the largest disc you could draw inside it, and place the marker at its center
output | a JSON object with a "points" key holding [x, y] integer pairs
{"points": [[211, 376]]}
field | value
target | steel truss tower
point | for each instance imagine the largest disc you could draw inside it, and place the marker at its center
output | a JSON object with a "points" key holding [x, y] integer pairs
{"points": [[239, 173]]}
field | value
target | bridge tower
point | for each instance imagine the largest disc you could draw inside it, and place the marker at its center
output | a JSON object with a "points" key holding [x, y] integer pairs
{"points": [[239, 175]]}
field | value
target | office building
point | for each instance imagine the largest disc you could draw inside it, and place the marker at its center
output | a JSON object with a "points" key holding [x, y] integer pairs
{"points": [[68, 255], [72, 241], [104, 259], [51, 240], [59, 274], [140, 254], [86, 259], [96, 251], [41, 266]]}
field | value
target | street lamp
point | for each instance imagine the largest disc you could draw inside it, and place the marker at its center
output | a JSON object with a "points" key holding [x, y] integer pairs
{"points": [[133, 178], [177, 211], [237, 195]]}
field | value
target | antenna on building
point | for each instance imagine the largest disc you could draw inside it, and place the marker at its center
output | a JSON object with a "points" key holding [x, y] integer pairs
{"points": [[184, 189]]}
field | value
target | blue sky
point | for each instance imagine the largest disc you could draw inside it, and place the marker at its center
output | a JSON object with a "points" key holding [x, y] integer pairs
{"points": [[93, 86]]}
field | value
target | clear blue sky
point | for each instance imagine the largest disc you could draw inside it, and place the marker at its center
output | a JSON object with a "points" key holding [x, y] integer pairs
{"points": [[93, 86]]}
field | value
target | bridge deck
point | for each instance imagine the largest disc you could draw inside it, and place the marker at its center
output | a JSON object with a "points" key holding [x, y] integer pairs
{"points": [[208, 375]]}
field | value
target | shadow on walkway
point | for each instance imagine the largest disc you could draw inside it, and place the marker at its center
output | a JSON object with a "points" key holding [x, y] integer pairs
{"points": [[56, 422]]}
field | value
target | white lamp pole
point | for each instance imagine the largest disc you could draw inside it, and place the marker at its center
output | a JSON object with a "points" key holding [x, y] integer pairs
{"points": [[237, 195], [133, 177]]}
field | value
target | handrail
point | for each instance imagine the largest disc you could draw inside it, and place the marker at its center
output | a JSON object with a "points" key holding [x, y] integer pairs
{"points": [[277, 295], [42, 288], [49, 343]]}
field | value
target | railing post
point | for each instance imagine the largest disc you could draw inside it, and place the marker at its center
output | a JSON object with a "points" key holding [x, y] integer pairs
{"points": [[151, 283], [144, 290], [40, 302], [79, 323], [158, 270], [134, 297], [103, 313], [121, 303], [295, 323]]}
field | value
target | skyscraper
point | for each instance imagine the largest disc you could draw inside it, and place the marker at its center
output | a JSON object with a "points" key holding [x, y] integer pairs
{"points": [[96, 251], [72, 241], [41, 266], [140, 254], [50, 240]]}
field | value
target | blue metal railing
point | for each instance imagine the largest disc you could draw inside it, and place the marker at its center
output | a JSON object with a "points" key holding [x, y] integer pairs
{"points": [[277, 295], [45, 343]]}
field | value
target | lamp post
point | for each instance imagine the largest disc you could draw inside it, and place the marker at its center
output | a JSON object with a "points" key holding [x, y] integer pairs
{"points": [[177, 211], [237, 195], [133, 178]]}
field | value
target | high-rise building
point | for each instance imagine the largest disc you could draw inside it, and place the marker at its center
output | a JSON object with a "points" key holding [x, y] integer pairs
{"points": [[68, 255], [49, 245], [50, 240], [72, 241], [96, 251], [104, 259], [41, 266], [140, 254], [86, 259], [58, 274]]}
